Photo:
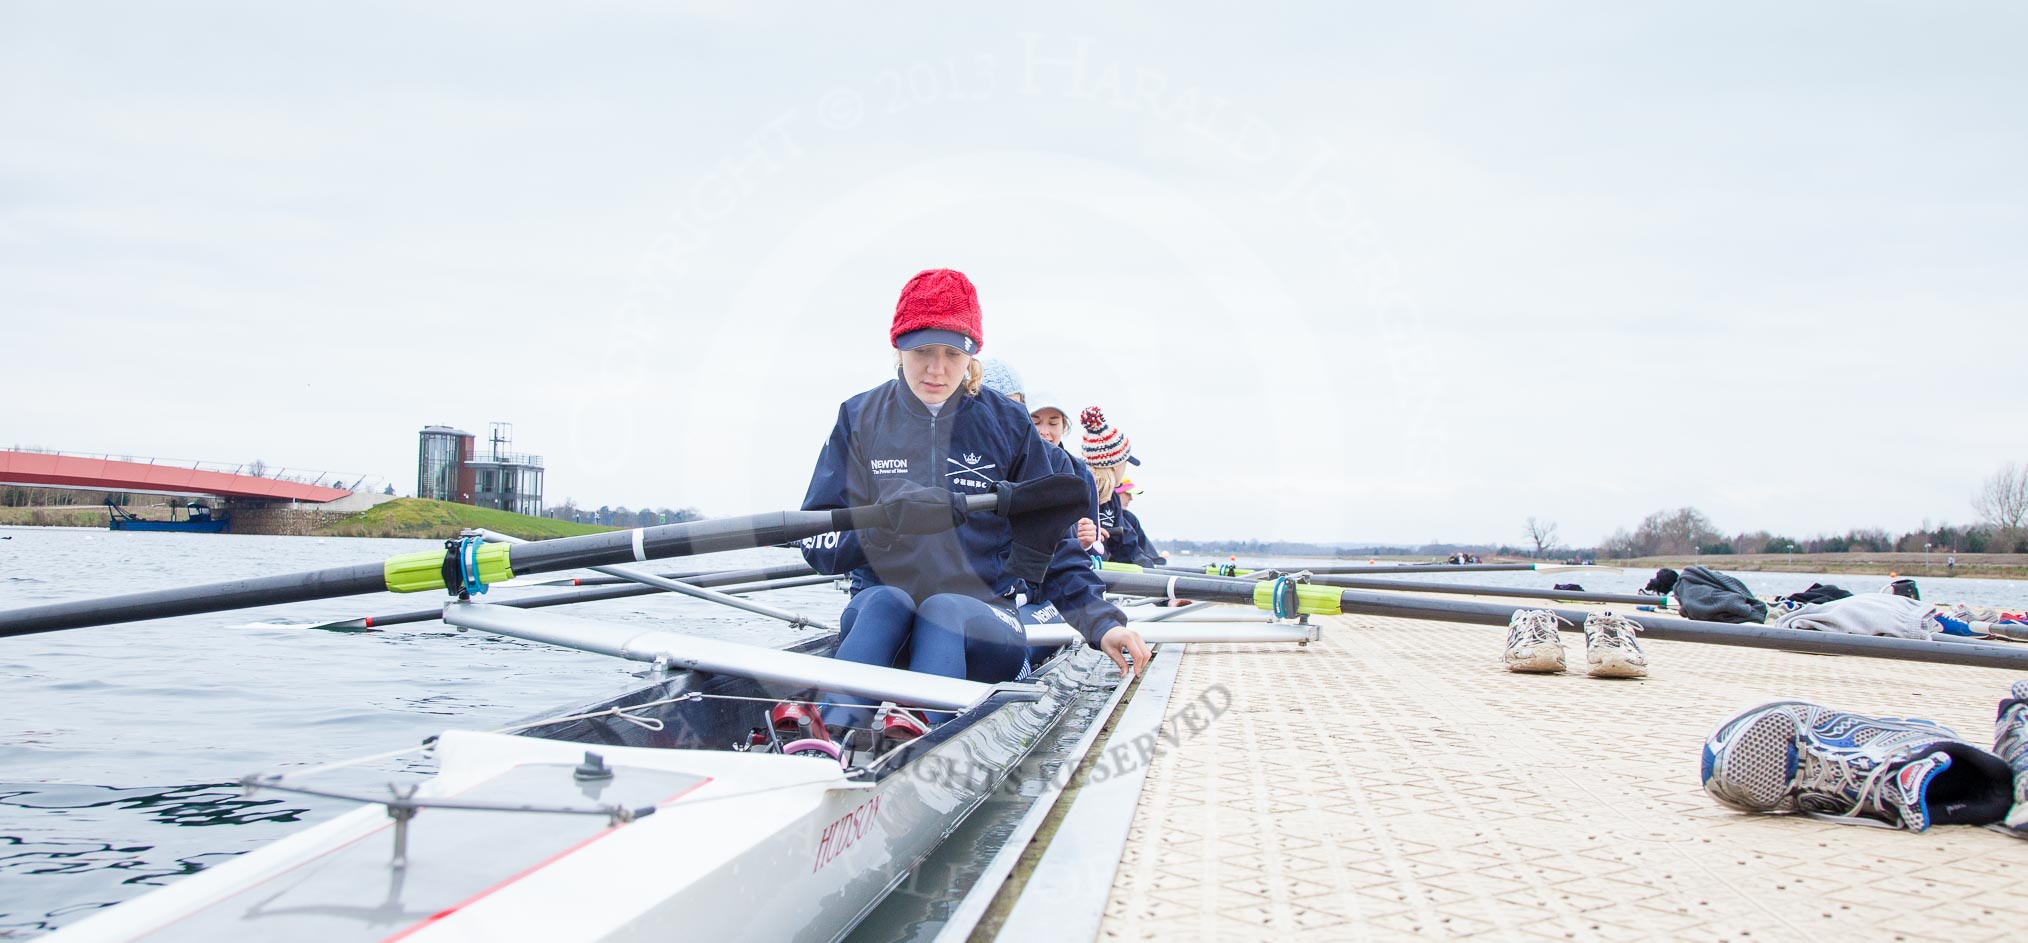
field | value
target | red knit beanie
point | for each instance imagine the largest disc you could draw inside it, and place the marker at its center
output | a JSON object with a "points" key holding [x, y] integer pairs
{"points": [[942, 302]]}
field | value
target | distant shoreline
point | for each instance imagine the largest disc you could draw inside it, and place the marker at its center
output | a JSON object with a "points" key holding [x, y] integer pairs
{"points": [[1977, 566], [399, 518]]}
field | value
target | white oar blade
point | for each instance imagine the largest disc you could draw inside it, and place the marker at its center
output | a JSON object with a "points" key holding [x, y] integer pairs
{"points": [[733, 658]]}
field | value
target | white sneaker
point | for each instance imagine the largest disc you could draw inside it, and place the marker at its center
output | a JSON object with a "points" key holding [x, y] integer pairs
{"points": [[1610, 647], [1532, 642]]}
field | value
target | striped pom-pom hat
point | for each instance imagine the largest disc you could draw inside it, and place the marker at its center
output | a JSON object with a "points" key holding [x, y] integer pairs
{"points": [[1104, 445]]}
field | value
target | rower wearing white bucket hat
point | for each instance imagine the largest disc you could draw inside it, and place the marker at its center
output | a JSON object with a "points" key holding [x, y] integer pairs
{"points": [[1050, 421]]}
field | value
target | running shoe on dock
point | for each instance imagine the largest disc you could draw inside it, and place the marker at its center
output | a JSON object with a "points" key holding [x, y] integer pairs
{"points": [[1533, 644], [1610, 648], [1843, 767]]}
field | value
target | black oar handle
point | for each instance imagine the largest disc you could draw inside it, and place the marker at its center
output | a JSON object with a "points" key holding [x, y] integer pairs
{"points": [[875, 516]]}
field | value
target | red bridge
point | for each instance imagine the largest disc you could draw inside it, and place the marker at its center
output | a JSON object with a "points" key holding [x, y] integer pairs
{"points": [[104, 473]]}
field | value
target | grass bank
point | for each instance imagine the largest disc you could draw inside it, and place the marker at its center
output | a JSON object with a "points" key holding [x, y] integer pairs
{"points": [[55, 517], [420, 517], [1991, 566], [78, 515]]}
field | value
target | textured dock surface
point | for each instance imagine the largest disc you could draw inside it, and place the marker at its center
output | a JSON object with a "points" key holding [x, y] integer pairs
{"points": [[1395, 781]]}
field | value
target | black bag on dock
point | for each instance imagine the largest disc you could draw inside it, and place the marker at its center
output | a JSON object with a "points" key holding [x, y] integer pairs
{"points": [[1818, 592], [1710, 596]]}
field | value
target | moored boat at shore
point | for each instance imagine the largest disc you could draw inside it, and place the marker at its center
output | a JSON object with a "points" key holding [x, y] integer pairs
{"points": [[199, 521]]}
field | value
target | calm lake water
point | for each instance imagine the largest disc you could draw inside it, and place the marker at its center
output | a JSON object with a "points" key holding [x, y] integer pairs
{"points": [[118, 744]]}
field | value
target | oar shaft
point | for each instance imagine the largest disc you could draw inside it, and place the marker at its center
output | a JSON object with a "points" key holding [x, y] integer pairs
{"points": [[671, 540], [1330, 600], [189, 600], [1466, 589], [1415, 568], [562, 553], [1412, 569], [770, 577]]}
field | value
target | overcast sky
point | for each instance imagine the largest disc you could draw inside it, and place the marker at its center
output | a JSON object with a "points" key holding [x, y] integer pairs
{"points": [[1374, 273]]}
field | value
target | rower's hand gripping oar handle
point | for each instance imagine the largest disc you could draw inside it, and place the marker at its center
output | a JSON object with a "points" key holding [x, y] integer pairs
{"points": [[877, 516]]}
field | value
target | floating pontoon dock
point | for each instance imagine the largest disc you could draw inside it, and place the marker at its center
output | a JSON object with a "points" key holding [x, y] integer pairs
{"points": [[1394, 781]]}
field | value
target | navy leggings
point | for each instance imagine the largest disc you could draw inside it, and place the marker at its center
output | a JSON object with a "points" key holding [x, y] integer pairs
{"points": [[950, 635]]}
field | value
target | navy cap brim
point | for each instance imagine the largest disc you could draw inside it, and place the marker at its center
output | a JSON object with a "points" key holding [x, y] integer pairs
{"points": [[929, 336]]}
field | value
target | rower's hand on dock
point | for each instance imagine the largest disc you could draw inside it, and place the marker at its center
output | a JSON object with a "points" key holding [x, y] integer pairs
{"points": [[1087, 533], [1119, 639]]}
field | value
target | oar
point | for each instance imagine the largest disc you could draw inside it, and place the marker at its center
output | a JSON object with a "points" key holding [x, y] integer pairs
{"points": [[795, 620], [1412, 568], [1466, 589], [1289, 598], [758, 579], [480, 563]]}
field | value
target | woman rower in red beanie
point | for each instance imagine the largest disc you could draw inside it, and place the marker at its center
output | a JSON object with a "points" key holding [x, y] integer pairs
{"points": [[946, 591]]}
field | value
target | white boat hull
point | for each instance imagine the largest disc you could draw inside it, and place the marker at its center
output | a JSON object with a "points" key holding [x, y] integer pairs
{"points": [[740, 846]]}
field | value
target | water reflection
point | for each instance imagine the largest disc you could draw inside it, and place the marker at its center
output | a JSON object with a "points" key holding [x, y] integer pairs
{"points": [[231, 693], [198, 805], [72, 846], [918, 908]]}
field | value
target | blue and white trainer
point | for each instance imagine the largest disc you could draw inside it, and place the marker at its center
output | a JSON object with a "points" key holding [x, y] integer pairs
{"points": [[2010, 741], [1884, 771]]}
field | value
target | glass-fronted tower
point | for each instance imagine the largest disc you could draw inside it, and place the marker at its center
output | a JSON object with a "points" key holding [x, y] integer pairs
{"points": [[440, 473], [449, 467]]}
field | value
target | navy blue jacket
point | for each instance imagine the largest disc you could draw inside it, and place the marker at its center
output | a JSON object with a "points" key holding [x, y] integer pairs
{"points": [[1142, 549], [1126, 543], [885, 436], [1067, 462]]}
